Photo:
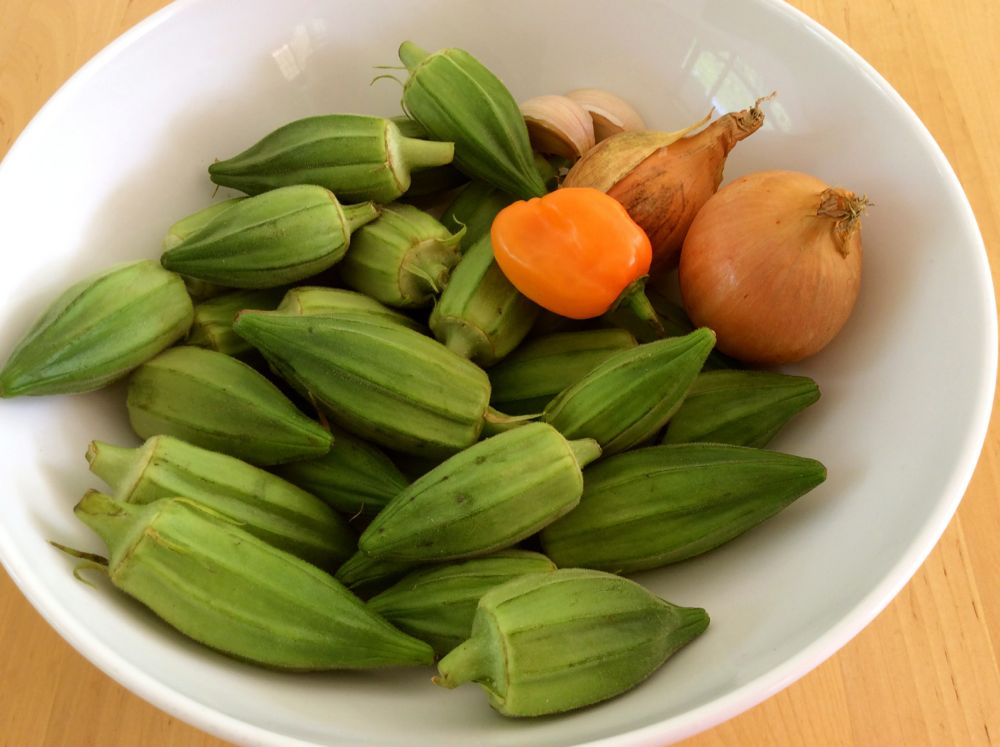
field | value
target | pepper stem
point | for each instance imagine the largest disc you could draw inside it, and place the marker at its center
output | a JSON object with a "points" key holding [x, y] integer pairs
{"points": [[411, 55], [633, 312], [585, 450]]}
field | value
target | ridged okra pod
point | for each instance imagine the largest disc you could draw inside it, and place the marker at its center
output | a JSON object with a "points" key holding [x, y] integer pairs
{"points": [[225, 588], [675, 323], [437, 604], [474, 209], [402, 259], [457, 99], [98, 330], [481, 315], [199, 290], [265, 505], [217, 402], [385, 383], [273, 239], [658, 505], [526, 380], [485, 498], [354, 477], [213, 319], [552, 642], [317, 301], [358, 158], [625, 400], [744, 408]]}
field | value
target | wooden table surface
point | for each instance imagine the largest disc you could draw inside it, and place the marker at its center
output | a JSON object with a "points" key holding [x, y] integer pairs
{"points": [[923, 673]]}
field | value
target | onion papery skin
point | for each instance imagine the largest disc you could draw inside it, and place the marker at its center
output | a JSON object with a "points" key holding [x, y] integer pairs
{"points": [[772, 264]]}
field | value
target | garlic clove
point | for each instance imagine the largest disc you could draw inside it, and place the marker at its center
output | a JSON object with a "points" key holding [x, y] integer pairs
{"points": [[559, 126], [610, 113]]}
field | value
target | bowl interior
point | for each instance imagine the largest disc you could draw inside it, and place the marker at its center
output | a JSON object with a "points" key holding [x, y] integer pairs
{"points": [[121, 151]]}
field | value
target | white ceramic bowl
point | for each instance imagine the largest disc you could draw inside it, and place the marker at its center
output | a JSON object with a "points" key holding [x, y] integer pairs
{"points": [[120, 152]]}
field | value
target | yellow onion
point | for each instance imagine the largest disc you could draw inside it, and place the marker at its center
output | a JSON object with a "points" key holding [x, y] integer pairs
{"points": [[663, 178], [772, 263]]}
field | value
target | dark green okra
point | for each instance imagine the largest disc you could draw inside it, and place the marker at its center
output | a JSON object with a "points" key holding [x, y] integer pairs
{"points": [[437, 604], [526, 380], [457, 99], [358, 158], [658, 505], [385, 383], [266, 506], [212, 400], [629, 397], [98, 330], [213, 319], [273, 239], [488, 497], [481, 315], [227, 589], [354, 477], [402, 259], [551, 642], [744, 408]]}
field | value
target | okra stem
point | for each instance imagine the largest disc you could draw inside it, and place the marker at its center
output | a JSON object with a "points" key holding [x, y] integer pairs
{"points": [[424, 154]]}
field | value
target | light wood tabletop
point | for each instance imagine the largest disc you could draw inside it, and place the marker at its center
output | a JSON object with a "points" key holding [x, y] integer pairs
{"points": [[923, 673]]}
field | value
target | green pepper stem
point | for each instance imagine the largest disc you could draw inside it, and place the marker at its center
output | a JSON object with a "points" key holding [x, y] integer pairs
{"points": [[411, 55], [585, 450], [358, 215], [633, 312], [424, 154]]}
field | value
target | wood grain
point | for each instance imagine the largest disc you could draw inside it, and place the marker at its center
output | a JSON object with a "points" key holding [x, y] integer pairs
{"points": [[924, 672]]}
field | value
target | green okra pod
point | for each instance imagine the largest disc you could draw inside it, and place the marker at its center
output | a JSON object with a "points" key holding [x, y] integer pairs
{"points": [[367, 576], [268, 507], [99, 330], [456, 98], [402, 259], [629, 397], [273, 239], [217, 402], [488, 497], [527, 380], [547, 643], [316, 301], [213, 319], [383, 382], [481, 315], [354, 477], [744, 408], [437, 604], [662, 504], [358, 158], [227, 589]]}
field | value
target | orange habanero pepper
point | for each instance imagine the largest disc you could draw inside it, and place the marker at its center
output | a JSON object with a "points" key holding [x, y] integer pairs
{"points": [[573, 251]]}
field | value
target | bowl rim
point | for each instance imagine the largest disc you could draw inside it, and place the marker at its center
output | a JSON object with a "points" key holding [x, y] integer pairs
{"points": [[673, 728]]}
